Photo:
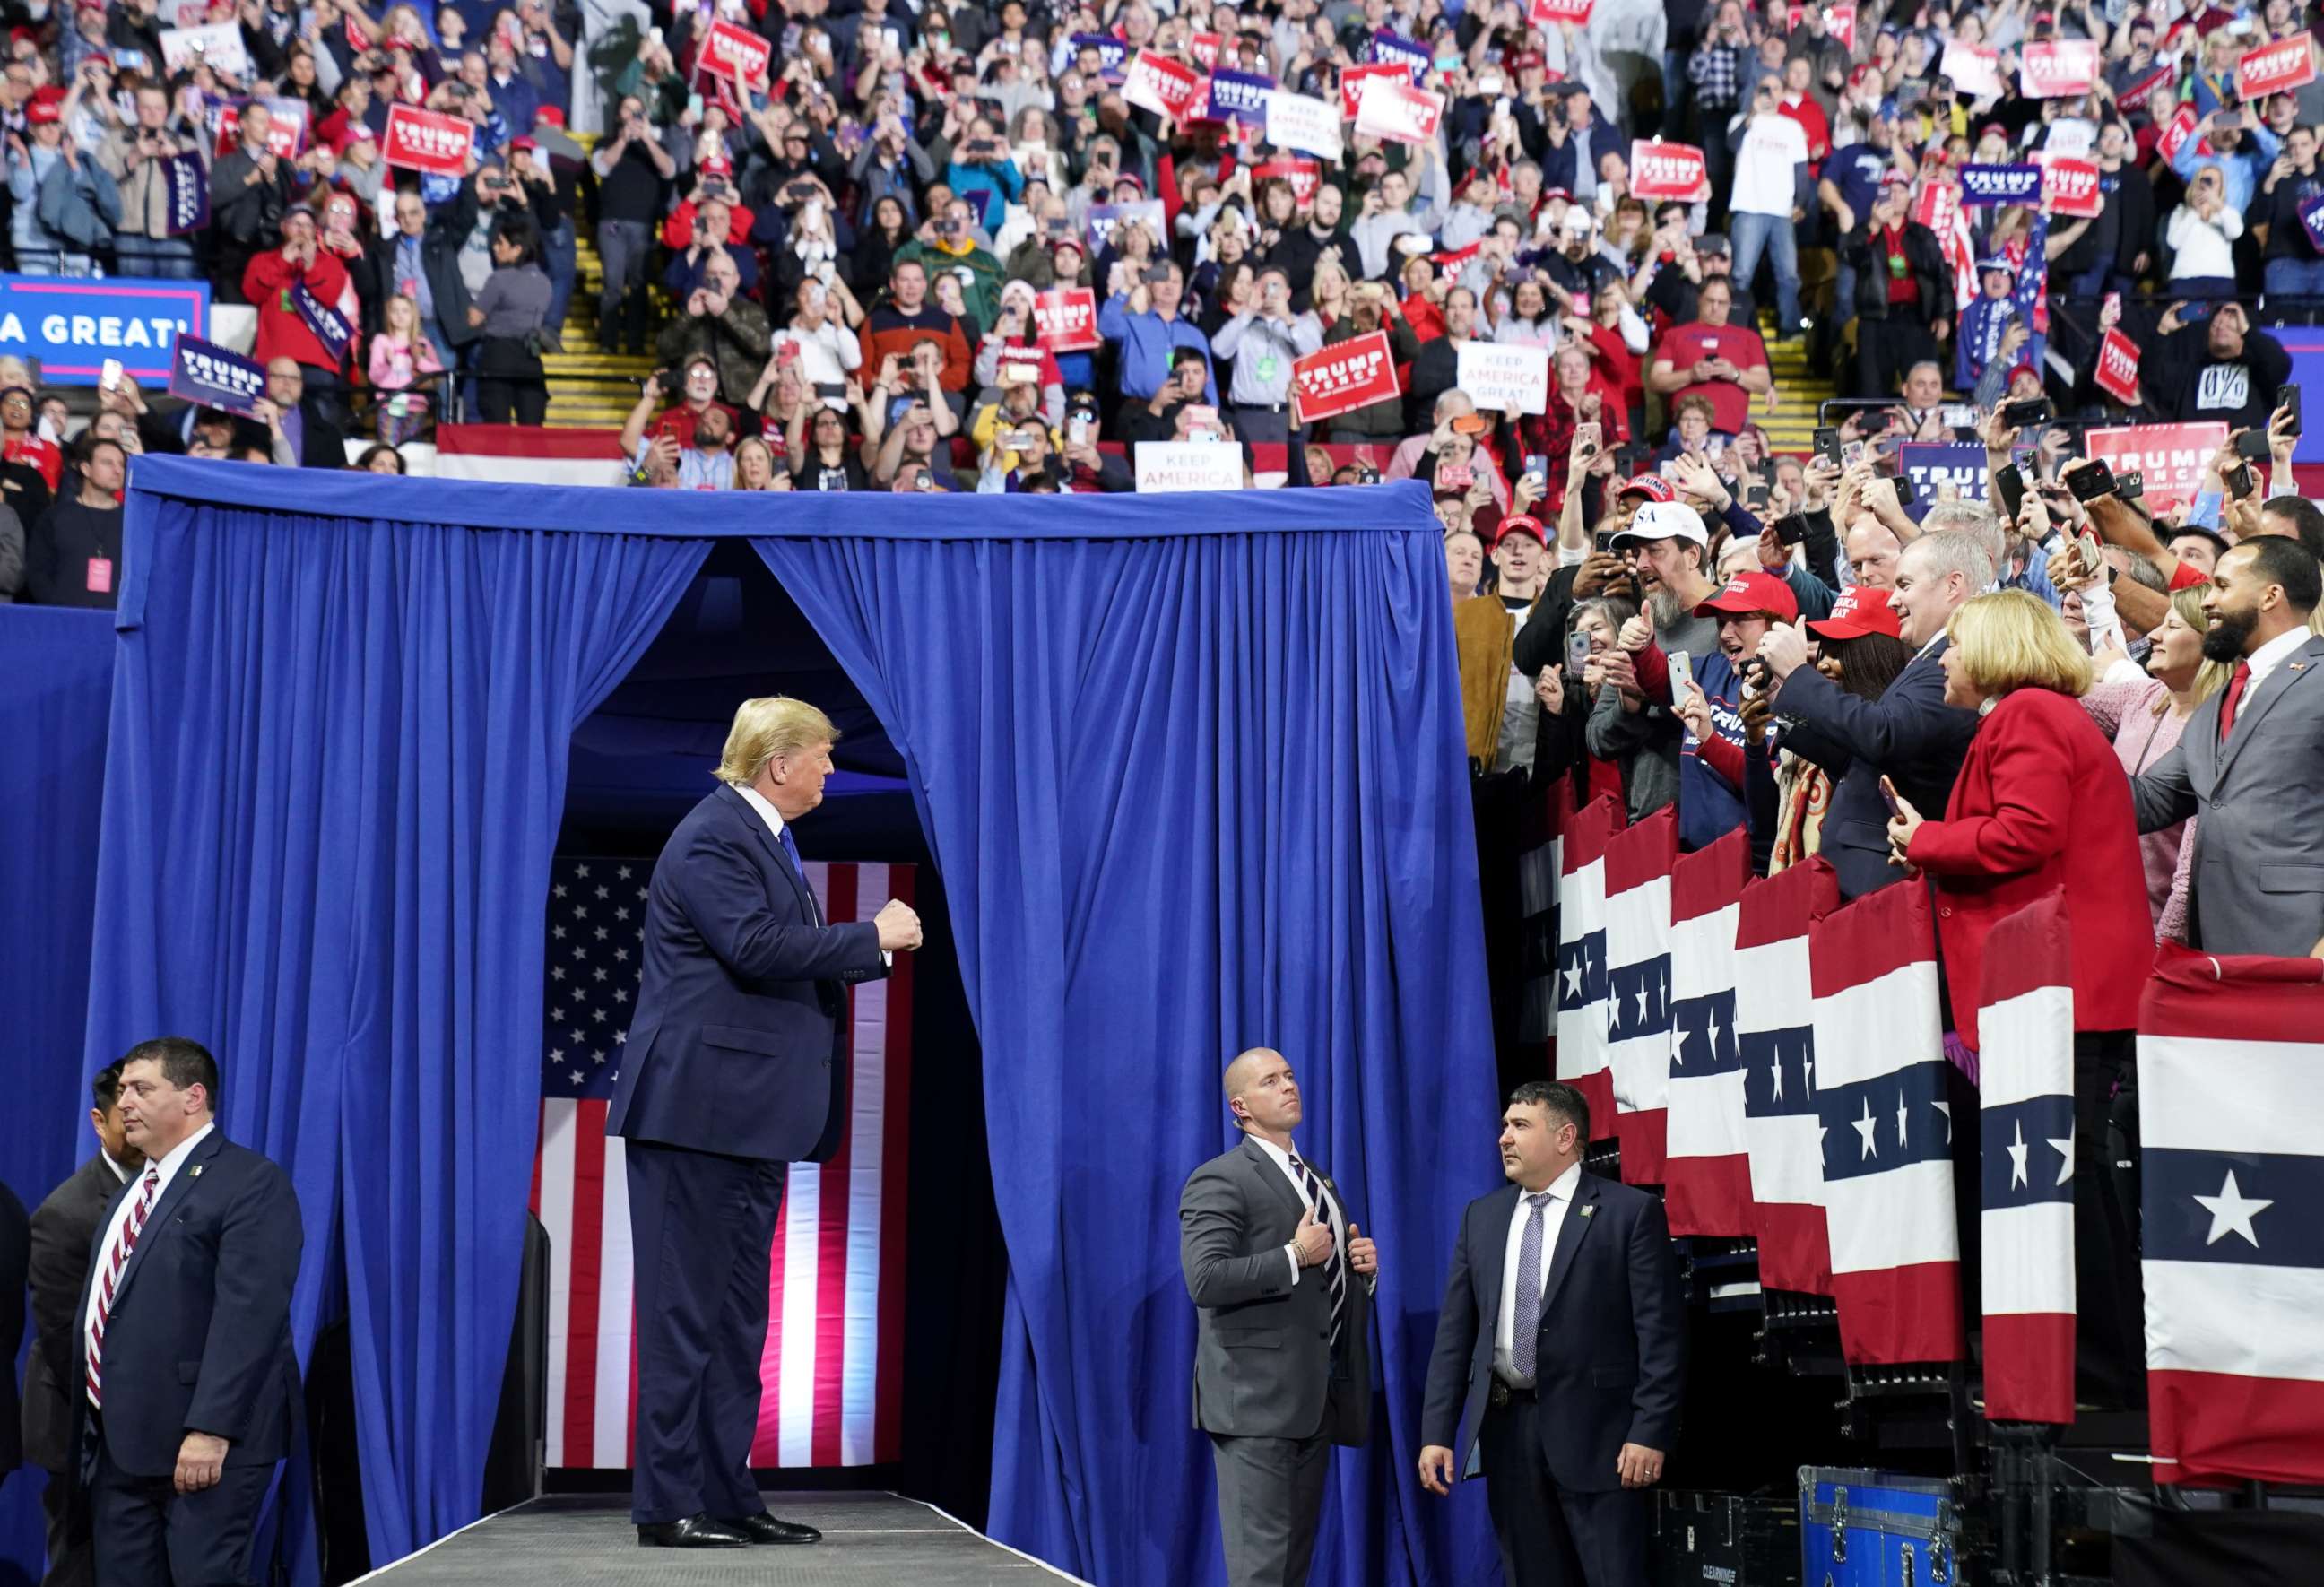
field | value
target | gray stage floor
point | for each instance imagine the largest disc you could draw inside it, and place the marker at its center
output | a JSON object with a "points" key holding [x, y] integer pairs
{"points": [[586, 1540]]}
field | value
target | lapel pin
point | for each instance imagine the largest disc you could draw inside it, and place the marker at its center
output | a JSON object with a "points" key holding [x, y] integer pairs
{"points": [[195, 1172], [1591, 1208]]}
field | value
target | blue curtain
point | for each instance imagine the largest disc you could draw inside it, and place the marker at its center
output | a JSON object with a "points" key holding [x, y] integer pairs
{"points": [[56, 675], [340, 732], [1195, 783]]}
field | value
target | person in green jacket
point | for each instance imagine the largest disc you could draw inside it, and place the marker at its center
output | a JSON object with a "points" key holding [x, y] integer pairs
{"points": [[948, 244]]}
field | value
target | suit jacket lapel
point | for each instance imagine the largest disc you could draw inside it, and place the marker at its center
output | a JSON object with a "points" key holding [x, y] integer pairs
{"points": [[2292, 672], [758, 825], [1274, 1177], [1570, 1235], [173, 1195]]}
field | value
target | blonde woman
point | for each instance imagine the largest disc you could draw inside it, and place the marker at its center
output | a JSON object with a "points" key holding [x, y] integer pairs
{"points": [[754, 466], [2041, 808], [1330, 288]]}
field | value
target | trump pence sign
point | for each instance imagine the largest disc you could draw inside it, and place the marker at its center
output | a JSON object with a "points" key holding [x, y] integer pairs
{"points": [[1347, 375], [71, 326]]}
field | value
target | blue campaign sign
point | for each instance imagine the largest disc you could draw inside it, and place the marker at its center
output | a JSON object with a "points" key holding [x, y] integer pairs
{"points": [[1388, 48], [1112, 54], [2000, 184], [1942, 471], [1240, 95], [72, 326]]}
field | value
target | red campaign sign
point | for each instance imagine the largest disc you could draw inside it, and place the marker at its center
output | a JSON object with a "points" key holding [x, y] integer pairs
{"points": [[2059, 68], [1668, 170], [1205, 48], [1065, 320], [1346, 377], [286, 133], [2139, 92], [1166, 86], [1353, 81], [1840, 22], [2275, 69], [1400, 113], [2175, 136], [2071, 187], [2117, 371], [1548, 13], [739, 53], [426, 140], [1303, 175], [2170, 456], [1935, 206]]}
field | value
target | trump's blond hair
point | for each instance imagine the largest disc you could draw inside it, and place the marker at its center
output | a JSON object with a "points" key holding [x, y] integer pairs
{"points": [[767, 727]]}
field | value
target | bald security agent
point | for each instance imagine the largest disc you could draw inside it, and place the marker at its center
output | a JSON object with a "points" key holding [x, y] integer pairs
{"points": [[1281, 1279], [1560, 1357], [731, 1071], [187, 1389]]}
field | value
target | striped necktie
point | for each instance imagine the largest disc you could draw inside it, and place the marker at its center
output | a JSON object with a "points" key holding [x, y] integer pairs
{"points": [[122, 1247], [1336, 1275]]}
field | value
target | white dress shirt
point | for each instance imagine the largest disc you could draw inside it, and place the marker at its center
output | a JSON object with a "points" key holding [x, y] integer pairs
{"points": [[2267, 660], [128, 1203], [1552, 1219], [1282, 1159]]}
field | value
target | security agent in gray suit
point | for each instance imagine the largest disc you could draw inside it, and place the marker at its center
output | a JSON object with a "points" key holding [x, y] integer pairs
{"points": [[2251, 762], [1281, 1279]]}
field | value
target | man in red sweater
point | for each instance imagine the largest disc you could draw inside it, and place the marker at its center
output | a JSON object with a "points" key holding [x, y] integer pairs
{"points": [[285, 329]]}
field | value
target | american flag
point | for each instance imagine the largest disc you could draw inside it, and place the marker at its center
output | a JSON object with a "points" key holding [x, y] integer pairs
{"points": [[833, 1367]]}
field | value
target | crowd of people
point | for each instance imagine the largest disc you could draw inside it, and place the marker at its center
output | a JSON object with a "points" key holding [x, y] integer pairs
{"points": [[846, 243]]}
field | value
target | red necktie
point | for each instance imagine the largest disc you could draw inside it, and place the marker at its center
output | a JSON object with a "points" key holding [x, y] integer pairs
{"points": [[118, 1260], [2233, 698]]}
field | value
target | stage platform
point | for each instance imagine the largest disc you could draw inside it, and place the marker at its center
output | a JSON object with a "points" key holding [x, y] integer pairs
{"points": [[586, 1540]]}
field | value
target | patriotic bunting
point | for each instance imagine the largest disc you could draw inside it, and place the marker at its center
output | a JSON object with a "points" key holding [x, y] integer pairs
{"points": [[1886, 1126], [1638, 864], [1707, 1176], [1774, 1035], [2025, 1112], [1581, 960], [2231, 1119]]}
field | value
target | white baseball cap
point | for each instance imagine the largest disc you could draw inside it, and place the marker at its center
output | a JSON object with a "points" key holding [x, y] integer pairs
{"points": [[1664, 520]]}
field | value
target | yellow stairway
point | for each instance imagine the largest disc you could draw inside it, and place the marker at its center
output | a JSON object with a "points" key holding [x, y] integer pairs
{"points": [[1796, 396], [589, 388]]}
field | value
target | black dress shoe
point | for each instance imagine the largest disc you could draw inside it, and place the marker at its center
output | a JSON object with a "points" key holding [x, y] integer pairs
{"points": [[692, 1532], [763, 1527]]}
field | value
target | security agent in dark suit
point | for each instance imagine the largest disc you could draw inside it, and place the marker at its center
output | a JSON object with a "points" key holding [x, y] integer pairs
{"points": [[1909, 735], [729, 1073], [187, 1387], [1282, 1279], [1560, 1355], [64, 1228]]}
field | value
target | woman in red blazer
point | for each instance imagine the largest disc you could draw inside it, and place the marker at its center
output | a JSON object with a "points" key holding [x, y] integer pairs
{"points": [[2042, 802]]}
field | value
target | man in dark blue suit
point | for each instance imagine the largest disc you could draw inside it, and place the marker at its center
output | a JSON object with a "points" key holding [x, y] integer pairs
{"points": [[730, 1071], [188, 1387], [1560, 1355], [1909, 735]]}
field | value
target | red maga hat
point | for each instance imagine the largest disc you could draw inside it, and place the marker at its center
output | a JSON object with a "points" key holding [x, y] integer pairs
{"points": [[1859, 611], [1746, 594]]}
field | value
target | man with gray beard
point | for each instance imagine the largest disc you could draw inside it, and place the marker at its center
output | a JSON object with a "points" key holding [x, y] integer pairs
{"points": [[1667, 546]]}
